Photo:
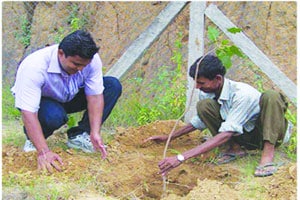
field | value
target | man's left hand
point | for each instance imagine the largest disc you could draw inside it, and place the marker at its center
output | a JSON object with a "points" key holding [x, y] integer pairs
{"points": [[168, 164], [98, 144]]}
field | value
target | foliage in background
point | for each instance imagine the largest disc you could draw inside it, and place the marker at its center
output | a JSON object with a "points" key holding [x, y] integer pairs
{"points": [[160, 99], [9, 112], [291, 148], [224, 50], [60, 34], [24, 34], [75, 22]]}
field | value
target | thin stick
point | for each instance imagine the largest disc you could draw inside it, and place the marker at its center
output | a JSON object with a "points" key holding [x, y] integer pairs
{"points": [[177, 121]]}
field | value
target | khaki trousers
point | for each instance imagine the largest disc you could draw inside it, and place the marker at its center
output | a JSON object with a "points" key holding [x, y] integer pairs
{"points": [[270, 125]]}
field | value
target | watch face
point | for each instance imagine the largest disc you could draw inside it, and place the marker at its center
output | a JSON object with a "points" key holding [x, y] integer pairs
{"points": [[180, 157]]}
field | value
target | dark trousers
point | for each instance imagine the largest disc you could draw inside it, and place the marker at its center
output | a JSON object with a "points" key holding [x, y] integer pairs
{"points": [[53, 114], [270, 125]]}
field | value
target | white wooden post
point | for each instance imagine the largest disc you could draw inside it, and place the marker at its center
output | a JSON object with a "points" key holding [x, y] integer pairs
{"points": [[196, 50]]}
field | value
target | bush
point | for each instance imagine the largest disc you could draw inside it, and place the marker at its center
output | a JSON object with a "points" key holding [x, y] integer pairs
{"points": [[9, 112]]}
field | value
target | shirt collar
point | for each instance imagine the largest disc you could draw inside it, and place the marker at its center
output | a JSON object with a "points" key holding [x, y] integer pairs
{"points": [[225, 91], [54, 65]]}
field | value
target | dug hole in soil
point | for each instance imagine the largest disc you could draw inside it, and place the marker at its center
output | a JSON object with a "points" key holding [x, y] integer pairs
{"points": [[131, 170]]}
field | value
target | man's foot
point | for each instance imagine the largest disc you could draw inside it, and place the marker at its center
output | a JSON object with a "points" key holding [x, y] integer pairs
{"points": [[267, 155], [224, 158], [28, 146], [265, 170], [232, 153], [82, 142]]}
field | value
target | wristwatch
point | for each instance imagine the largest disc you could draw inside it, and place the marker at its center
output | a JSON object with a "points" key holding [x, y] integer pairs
{"points": [[180, 157]]}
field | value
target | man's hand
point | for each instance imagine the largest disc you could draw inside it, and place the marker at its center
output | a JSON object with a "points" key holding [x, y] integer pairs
{"points": [[98, 144], [168, 164], [48, 160], [157, 138]]}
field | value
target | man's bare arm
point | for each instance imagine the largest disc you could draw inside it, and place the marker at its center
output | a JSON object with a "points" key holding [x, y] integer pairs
{"points": [[34, 130], [95, 110], [46, 158], [170, 163], [182, 131]]}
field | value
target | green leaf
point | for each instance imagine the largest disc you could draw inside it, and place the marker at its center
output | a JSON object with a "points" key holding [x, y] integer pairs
{"points": [[234, 30], [235, 50], [226, 60], [213, 34], [227, 51], [225, 42], [224, 57]]}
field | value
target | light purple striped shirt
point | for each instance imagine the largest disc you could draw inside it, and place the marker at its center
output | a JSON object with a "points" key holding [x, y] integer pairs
{"points": [[40, 75], [239, 107]]}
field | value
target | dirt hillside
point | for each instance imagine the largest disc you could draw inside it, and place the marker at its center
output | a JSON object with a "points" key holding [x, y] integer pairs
{"points": [[271, 25]]}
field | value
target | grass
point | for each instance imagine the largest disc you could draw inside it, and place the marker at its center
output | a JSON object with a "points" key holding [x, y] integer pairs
{"points": [[145, 102], [32, 185], [9, 112], [44, 186], [254, 190], [11, 133]]}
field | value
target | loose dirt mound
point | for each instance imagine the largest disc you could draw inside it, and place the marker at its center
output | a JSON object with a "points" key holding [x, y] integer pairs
{"points": [[131, 171]]}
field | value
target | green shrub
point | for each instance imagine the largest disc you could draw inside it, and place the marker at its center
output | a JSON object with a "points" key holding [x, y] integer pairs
{"points": [[9, 112], [161, 98], [24, 34]]}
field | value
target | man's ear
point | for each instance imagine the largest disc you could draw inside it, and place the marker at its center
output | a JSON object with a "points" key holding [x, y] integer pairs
{"points": [[61, 52], [219, 77]]}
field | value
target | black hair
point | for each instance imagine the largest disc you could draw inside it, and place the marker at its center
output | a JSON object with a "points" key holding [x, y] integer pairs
{"points": [[209, 67], [79, 43]]}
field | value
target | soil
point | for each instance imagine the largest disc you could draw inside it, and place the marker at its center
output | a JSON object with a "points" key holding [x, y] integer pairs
{"points": [[131, 171]]}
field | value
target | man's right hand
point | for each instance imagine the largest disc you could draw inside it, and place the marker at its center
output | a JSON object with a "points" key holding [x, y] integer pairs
{"points": [[157, 138], [49, 160]]}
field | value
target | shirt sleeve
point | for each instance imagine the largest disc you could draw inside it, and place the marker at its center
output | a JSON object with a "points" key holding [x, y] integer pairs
{"points": [[27, 89], [239, 113], [94, 80], [197, 123]]}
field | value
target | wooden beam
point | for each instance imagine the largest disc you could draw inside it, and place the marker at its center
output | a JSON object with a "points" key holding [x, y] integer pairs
{"points": [[196, 50], [138, 47]]}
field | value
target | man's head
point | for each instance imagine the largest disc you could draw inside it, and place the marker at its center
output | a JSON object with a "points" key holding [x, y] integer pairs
{"points": [[210, 75], [76, 51], [79, 43]]}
